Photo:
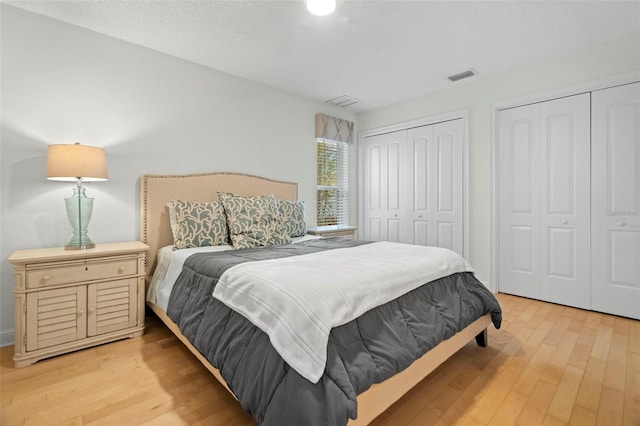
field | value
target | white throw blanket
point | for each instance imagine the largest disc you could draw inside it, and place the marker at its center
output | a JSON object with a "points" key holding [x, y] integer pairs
{"points": [[298, 300]]}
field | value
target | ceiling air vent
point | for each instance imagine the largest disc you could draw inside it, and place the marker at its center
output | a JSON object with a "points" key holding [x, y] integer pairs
{"points": [[343, 101], [465, 74]]}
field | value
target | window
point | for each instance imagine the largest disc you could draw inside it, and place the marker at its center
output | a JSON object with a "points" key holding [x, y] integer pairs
{"points": [[333, 183], [333, 136]]}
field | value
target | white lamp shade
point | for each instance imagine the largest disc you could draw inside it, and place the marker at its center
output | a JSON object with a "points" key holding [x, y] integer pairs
{"points": [[70, 162], [321, 7]]}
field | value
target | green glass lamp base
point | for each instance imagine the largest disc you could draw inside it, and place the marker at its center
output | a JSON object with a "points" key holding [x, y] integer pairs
{"points": [[79, 209], [78, 246]]}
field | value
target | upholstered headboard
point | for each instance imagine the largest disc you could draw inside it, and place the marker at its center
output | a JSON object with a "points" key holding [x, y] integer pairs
{"points": [[156, 190]]}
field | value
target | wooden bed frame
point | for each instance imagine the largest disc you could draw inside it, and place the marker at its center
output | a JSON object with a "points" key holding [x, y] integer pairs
{"points": [[156, 190]]}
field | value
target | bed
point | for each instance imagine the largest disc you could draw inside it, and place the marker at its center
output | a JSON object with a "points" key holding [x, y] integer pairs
{"points": [[157, 190]]}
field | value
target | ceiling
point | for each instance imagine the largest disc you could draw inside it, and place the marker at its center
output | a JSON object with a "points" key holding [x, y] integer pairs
{"points": [[377, 52]]}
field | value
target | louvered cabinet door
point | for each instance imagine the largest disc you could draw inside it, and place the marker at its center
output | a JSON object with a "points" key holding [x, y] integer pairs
{"points": [[56, 316], [111, 306]]}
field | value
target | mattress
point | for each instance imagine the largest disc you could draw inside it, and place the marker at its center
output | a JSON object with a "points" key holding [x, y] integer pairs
{"points": [[169, 265], [363, 351]]}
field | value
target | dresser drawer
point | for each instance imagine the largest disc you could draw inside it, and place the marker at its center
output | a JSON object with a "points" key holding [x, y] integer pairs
{"points": [[81, 271]]}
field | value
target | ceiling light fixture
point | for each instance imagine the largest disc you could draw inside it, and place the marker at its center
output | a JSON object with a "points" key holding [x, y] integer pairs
{"points": [[321, 7]]}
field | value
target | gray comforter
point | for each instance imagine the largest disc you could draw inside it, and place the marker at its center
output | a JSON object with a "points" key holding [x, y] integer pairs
{"points": [[368, 350]]}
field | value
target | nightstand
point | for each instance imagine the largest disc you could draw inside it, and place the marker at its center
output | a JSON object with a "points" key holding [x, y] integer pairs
{"points": [[334, 231], [73, 299]]}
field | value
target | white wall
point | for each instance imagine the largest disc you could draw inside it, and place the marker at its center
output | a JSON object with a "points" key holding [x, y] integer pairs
{"points": [[153, 113], [479, 96]]}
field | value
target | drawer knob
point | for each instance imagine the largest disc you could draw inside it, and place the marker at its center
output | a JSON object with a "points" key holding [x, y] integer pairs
{"points": [[121, 269], [44, 279]]}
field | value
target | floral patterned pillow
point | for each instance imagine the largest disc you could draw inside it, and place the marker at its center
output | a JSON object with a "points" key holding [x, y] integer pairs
{"points": [[198, 224], [172, 218], [292, 214], [253, 221]]}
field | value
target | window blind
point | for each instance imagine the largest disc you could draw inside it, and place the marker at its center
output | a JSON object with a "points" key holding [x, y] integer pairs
{"points": [[333, 136]]}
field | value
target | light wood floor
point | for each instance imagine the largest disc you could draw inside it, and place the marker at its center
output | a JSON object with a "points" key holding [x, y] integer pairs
{"points": [[548, 364]]}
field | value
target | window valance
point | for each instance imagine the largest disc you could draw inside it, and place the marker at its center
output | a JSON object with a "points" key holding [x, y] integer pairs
{"points": [[334, 129]]}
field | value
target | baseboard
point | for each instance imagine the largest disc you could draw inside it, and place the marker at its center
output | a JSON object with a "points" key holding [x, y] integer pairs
{"points": [[7, 338]]}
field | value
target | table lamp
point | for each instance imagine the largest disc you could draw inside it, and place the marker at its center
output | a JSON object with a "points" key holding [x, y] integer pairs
{"points": [[75, 162]]}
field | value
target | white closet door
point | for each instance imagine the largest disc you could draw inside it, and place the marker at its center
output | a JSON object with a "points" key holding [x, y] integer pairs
{"points": [[384, 177], [518, 214], [615, 259], [435, 190], [422, 229], [412, 184], [543, 167], [565, 173]]}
